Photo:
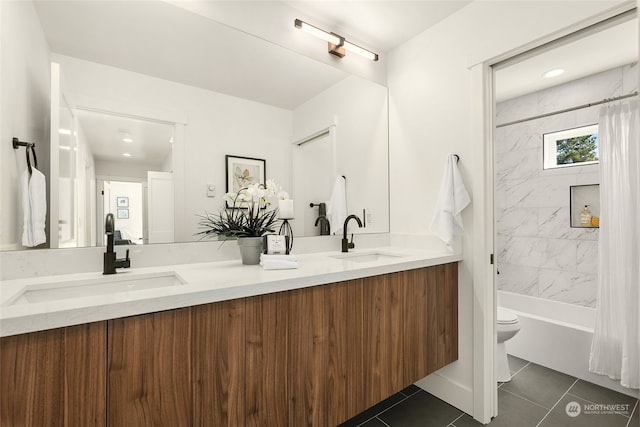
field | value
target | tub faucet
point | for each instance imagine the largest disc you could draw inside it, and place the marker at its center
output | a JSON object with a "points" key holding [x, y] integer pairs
{"points": [[110, 261], [346, 245]]}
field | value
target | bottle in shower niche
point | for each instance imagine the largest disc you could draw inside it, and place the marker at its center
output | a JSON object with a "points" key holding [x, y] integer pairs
{"points": [[585, 217]]}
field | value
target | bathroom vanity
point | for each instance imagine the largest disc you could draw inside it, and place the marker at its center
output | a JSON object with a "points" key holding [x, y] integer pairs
{"points": [[276, 348]]}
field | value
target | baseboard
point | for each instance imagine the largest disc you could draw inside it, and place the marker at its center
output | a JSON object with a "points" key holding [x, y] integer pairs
{"points": [[452, 392]]}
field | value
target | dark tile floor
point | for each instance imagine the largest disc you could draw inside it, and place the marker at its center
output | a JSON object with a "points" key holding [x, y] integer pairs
{"points": [[535, 397]]}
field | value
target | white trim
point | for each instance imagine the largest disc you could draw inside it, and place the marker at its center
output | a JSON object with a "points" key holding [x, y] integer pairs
{"points": [[484, 342], [448, 390]]}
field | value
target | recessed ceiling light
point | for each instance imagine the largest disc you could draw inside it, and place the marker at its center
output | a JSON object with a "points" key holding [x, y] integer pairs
{"points": [[127, 139], [126, 154], [553, 73]]}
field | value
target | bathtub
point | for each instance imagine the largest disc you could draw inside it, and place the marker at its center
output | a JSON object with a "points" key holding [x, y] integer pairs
{"points": [[556, 335]]}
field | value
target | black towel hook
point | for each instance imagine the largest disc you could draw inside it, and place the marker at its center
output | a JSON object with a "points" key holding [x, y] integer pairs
{"points": [[30, 146]]}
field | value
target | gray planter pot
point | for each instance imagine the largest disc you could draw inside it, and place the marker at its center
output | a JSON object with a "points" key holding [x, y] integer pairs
{"points": [[250, 249]]}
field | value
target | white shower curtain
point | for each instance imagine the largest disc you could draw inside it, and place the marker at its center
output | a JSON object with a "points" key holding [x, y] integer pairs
{"points": [[615, 350]]}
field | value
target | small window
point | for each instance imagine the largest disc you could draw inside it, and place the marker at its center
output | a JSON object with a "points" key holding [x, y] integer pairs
{"points": [[573, 147]]}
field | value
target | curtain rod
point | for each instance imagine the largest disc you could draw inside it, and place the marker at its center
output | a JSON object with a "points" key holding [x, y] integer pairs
{"points": [[566, 110]]}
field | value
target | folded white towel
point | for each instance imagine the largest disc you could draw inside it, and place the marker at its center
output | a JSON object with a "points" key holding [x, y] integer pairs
{"points": [[279, 265], [279, 257], [453, 198], [34, 207], [337, 206]]}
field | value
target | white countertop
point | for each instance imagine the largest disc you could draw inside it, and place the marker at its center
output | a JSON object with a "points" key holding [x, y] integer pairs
{"points": [[203, 283]]}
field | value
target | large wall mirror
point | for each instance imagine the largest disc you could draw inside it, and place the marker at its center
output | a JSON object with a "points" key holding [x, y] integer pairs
{"points": [[149, 97]]}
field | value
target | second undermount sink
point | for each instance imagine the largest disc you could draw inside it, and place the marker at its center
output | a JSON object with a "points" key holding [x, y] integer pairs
{"points": [[103, 285], [367, 256]]}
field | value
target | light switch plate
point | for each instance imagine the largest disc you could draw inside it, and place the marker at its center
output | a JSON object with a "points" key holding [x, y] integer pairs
{"points": [[211, 190]]}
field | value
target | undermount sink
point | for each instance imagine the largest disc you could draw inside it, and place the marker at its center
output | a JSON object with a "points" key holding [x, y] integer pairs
{"points": [[104, 285], [367, 256]]}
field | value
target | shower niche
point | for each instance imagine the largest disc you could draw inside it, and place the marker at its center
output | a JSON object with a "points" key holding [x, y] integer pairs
{"points": [[581, 196]]}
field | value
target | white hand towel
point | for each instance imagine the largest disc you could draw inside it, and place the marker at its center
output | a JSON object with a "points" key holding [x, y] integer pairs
{"points": [[337, 206], [453, 198], [278, 262], [279, 257], [34, 206], [278, 265]]}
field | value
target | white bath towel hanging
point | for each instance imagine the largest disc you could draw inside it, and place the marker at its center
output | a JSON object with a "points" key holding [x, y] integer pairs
{"points": [[34, 207], [337, 205], [453, 198]]}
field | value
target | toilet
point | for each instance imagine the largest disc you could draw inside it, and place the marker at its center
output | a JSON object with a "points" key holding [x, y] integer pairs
{"points": [[507, 326]]}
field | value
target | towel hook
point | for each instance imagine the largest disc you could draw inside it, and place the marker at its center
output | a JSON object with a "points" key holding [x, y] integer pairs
{"points": [[16, 143], [457, 158]]}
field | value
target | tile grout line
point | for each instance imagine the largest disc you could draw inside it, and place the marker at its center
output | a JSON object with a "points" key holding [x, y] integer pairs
{"points": [[452, 423], [562, 397], [524, 398], [376, 415], [635, 408]]}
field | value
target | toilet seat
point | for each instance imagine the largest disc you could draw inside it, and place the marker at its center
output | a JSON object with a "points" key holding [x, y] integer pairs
{"points": [[506, 316]]}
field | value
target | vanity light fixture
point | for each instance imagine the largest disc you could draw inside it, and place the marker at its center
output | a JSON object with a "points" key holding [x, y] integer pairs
{"points": [[337, 44], [553, 73]]}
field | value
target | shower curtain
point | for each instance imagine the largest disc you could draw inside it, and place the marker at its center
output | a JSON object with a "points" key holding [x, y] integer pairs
{"points": [[615, 350]]}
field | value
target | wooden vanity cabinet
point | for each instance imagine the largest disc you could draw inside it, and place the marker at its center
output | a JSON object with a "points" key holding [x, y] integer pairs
{"points": [[308, 357], [54, 378]]}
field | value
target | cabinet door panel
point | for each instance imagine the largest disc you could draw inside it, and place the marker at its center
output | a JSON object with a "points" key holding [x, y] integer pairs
{"points": [[218, 363], [54, 377], [337, 352], [376, 361], [267, 389], [149, 365]]}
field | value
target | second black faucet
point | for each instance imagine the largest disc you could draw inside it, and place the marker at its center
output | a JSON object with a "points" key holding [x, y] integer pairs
{"points": [[346, 245]]}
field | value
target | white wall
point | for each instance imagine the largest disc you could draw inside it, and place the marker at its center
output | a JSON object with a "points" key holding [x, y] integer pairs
{"points": [[433, 112], [216, 125], [24, 109], [359, 109]]}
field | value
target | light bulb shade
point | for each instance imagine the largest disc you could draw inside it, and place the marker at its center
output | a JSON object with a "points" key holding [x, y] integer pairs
{"points": [[315, 31], [337, 43], [360, 51]]}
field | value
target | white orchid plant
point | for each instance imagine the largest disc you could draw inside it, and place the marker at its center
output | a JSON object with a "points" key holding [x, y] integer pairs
{"points": [[248, 213]]}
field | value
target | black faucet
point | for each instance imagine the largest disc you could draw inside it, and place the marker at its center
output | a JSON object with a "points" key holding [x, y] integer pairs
{"points": [[110, 260], [346, 245], [325, 226]]}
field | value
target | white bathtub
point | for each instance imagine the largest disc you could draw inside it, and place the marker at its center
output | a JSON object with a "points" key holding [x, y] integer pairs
{"points": [[556, 335]]}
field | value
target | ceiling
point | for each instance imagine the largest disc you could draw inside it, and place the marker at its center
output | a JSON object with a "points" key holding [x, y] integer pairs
{"points": [[604, 50], [150, 142]]}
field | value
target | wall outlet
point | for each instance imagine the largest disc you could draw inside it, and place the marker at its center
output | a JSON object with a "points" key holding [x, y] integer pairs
{"points": [[211, 190], [369, 217]]}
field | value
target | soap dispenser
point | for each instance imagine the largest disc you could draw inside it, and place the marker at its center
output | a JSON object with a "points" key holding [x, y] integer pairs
{"points": [[585, 217]]}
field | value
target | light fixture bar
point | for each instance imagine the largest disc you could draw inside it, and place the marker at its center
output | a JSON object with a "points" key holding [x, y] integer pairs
{"points": [[360, 51], [315, 31], [337, 43]]}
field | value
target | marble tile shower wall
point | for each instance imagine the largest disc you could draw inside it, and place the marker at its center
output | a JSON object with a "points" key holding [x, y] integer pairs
{"points": [[539, 254]]}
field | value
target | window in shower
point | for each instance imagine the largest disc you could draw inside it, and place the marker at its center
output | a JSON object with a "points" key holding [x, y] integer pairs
{"points": [[572, 147]]}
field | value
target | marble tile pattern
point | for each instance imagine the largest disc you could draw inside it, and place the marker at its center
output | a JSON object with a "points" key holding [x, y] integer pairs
{"points": [[538, 253]]}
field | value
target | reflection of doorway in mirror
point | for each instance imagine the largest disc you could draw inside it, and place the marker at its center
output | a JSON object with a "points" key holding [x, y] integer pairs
{"points": [[129, 220], [314, 176]]}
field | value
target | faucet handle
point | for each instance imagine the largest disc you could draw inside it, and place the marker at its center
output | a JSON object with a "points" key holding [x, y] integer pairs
{"points": [[351, 244], [126, 257]]}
